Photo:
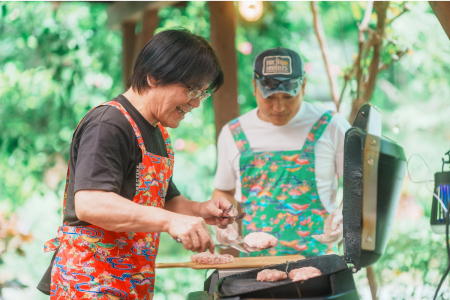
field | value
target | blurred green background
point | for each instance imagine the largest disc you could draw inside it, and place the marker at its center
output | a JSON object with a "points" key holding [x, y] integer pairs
{"points": [[57, 60]]}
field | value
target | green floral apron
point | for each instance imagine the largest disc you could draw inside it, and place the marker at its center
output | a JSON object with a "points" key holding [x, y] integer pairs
{"points": [[279, 194]]}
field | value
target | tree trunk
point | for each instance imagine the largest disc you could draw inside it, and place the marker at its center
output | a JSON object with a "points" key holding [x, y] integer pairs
{"points": [[150, 22], [381, 8], [223, 32], [324, 49], [133, 43], [128, 44], [372, 282], [365, 87]]}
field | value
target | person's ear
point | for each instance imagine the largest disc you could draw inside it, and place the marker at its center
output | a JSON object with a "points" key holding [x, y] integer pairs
{"points": [[151, 82], [304, 85]]}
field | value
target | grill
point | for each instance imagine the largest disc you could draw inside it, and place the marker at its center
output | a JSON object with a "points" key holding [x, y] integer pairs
{"points": [[374, 167], [336, 282]]}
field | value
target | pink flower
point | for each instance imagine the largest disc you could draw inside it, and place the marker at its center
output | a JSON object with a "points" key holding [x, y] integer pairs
{"points": [[245, 48], [309, 68], [179, 144]]}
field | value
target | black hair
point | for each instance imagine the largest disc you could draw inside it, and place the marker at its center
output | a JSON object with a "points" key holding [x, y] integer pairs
{"points": [[177, 56]]}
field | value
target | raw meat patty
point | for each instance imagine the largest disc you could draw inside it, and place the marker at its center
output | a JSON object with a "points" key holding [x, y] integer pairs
{"points": [[271, 275], [260, 240], [211, 259], [304, 273]]}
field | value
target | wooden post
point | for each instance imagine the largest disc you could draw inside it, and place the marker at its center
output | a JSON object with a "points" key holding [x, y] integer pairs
{"points": [[442, 11], [150, 22], [128, 45], [223, 32]]}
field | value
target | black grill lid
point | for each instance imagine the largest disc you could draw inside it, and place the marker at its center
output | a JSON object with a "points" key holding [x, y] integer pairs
{"points": [[374, 168]]}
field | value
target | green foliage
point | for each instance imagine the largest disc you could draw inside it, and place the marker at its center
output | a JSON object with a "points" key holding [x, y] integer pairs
{"points": [[58, 60], [413, 263]]}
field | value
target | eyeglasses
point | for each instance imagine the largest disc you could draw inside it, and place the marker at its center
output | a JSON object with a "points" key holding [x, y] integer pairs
{"points": [[194, 94], [271, 83]]}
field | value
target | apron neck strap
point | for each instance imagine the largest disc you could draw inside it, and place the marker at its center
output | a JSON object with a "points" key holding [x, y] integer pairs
{"points": [[239, 136], [317, 130]]}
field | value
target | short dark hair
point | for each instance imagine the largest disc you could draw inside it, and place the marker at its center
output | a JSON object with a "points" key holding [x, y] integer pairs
{"points": [[177, 55]]}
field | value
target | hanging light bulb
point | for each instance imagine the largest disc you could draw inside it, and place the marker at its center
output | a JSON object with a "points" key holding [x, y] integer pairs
{"points": [[250, 10]]}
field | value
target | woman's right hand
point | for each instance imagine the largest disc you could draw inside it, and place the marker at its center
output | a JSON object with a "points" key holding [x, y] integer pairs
{"points": [[192, 232]]}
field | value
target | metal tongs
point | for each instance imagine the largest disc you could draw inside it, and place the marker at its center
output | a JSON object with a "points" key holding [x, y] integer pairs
{"points": [[234, 246], [237, 217], [229, 245]]}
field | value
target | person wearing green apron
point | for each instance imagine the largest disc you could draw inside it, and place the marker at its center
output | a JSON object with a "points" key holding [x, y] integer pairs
{"points": [[281, 162]]}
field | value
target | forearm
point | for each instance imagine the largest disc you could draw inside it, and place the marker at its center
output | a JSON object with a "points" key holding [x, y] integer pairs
{"points": [[182, 205], [210, 210], [112, 212], [229, 195]]}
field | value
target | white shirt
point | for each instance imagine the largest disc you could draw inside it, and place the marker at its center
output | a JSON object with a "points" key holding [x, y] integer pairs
{"points": [[264, 136]]}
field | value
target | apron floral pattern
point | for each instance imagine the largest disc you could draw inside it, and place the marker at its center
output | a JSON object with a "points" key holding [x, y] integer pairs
{"points": [[279, 194], [93, 263]]}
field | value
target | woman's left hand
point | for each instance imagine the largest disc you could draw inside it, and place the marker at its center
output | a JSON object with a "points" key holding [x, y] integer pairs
{"points": [[212, 211]]}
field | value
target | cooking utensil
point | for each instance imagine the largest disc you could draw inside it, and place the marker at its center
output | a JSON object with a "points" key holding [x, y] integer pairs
{"points": [[237, 217], [228, 209], [238, 248], [239, 263]]}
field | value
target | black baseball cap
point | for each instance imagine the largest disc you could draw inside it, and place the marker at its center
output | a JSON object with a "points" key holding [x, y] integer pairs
{"points": [[279, 64]]}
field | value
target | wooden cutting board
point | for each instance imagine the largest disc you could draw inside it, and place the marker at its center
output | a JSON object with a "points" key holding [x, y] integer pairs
{"points": [[239, 262]]}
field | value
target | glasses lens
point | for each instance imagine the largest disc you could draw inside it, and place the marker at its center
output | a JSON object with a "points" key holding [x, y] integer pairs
{"points": [[205, 96], [270, 82], [194, 94], [291, 84]]}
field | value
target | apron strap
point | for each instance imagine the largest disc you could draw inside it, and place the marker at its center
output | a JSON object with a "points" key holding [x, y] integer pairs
{"points": [[239, 136], [137, 132], [317, 130], [167, 142]]}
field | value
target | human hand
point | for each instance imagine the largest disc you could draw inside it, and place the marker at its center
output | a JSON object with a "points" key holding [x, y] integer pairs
{"points": [[212, 211], [333, 228], [192, 232], [227, 235]]}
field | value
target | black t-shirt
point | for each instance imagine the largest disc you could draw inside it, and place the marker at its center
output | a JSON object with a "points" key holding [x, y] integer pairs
{"points": [[105, 155]]}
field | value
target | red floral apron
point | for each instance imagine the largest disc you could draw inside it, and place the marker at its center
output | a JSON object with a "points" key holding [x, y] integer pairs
{"points": [[93, 263]]}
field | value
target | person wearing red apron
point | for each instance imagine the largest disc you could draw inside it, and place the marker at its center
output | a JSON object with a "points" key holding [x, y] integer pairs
{"points": [[281, 161], [108, 243], [90, 259]]}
